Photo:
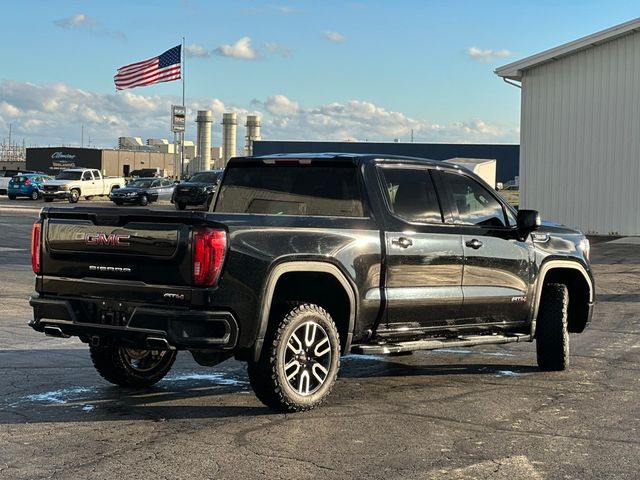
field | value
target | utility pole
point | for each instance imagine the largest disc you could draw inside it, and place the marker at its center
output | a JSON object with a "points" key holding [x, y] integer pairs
{"points": [[82, 137]]}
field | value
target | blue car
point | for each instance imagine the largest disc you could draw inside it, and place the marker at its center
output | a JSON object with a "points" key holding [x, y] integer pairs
{"points": [[27, 185]]}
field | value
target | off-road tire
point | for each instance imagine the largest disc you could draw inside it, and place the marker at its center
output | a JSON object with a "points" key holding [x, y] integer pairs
{"points": [[12, 197], [552, 335], [74, 196], [112, 364], [267, 375], [144, 200], [35, 195], [180, 206]]}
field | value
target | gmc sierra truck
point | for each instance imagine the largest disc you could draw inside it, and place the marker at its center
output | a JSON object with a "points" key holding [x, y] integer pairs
{"points": [[303, 258]]}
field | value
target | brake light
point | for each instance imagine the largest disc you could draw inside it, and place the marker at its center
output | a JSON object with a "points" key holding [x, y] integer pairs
{"points": [[27, 182], [209, 249], [36, 242]]}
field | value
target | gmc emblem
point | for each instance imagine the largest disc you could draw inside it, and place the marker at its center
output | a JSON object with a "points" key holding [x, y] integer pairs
{"points": [[111, 240]]}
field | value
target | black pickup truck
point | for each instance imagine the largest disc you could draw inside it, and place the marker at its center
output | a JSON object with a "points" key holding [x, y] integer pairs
{"points": [[302, 259]]}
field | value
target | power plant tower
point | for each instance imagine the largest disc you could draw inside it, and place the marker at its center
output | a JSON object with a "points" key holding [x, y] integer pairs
{"points": [[204, 120], [229, 127], [253, 133]]}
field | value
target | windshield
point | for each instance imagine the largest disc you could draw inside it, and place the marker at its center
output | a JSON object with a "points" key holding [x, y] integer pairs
{"points": [[140, 183], [69, 175], [205, 177]]}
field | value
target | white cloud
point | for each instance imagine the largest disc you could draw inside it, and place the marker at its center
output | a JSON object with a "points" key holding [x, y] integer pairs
{"points": [[274, 48], [81, 21], [279, 105], [77, 20], [196, 51], [334, 37], [53, 114], [486, 56], [242, 49]]}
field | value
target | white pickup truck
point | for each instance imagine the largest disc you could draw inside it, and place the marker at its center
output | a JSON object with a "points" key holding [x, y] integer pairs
{"points": [[80, 182]]}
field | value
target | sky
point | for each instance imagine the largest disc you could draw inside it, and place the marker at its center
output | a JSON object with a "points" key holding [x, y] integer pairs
{"points": [[330, 70]]}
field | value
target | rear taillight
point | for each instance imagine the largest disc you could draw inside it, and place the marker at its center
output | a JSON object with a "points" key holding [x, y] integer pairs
{"points": [[27, 182], [36, 242], [209, 249]]}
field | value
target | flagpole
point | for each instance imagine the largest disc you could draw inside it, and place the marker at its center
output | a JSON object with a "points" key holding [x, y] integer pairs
{"points": [[185, 123]]}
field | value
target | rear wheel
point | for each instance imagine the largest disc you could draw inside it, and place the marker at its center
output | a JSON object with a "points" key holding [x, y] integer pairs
{"points": [[552, 336], [299, 362], [180, 206], [12, 197], [129, 367], [35, 195], [74, 196]]}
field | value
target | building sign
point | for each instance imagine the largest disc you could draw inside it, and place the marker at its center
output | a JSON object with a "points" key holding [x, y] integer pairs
{"points": [[66, 156], [178, 115], [52, 160]]}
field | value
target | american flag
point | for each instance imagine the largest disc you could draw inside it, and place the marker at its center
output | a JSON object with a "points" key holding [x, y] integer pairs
{"points": [[163, 68]]}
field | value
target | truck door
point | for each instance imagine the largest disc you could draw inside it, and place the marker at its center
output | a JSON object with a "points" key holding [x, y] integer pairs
{"points": [[497, 265], [423, 251], [99, 185], [88, 186]]}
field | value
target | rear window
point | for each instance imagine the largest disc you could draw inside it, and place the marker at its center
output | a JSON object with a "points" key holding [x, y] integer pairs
{"points": [[291, 190], [205, 177], [19, 179]]}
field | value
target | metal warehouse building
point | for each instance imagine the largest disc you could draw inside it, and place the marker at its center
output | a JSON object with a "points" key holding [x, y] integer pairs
{"points": [[580, 131], [506, 155], [113, 163]]}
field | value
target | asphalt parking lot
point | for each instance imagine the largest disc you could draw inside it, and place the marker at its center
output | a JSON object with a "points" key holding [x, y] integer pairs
{"points": [[479, 413]]}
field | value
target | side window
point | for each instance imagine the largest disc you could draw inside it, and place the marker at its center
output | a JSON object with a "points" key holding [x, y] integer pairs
{"points": [[411, 194], [96, 174], [476, 206], [156, 183], [86, 175]]}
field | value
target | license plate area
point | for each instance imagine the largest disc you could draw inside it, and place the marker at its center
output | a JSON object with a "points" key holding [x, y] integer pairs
{"points": [[115, 314]]}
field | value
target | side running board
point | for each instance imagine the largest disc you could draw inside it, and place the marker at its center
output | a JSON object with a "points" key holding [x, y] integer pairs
{"points": [[435, 343]]}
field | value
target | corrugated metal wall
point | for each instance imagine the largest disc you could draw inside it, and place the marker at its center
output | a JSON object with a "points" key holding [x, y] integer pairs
{"points": [[580, 138]]}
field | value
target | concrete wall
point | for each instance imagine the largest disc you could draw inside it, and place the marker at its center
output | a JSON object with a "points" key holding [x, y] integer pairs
{"points": [[580, 138]]}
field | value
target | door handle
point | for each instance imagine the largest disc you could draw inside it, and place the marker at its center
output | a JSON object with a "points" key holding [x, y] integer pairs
{"points": [[401, 242], [475, 244]]}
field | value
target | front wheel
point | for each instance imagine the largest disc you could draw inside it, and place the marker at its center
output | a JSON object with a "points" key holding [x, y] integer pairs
{"points": [[144, 200], [130, 367], [48, 199], [299, 362], [552, 335], [74, 196], [180, 206]]}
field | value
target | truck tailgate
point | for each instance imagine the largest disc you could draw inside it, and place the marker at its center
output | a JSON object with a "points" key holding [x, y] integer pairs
{"points": [[143, 246]]}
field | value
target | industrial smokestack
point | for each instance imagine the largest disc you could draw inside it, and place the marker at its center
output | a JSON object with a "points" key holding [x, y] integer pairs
{"points": [[253, 133], [203, 121], [229, 126]]}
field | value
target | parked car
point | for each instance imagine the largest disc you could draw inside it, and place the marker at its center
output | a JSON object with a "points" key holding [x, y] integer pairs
{"points": [[27, 185], [302, 259], [147, 173], [7, 175], [198, 190], [143, 191], [76, 182]]}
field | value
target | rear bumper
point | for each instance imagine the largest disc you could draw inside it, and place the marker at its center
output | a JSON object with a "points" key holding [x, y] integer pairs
{"points": [[134, 325]]}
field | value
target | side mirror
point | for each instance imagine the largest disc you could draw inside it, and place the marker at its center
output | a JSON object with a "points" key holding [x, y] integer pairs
{"points": [[528, 221]]}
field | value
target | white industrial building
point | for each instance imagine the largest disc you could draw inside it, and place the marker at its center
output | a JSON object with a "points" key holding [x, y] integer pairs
{"points": [[580, 131]]}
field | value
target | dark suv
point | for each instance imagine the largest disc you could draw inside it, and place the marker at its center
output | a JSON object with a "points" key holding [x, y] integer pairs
{"points": [[198, 190]]}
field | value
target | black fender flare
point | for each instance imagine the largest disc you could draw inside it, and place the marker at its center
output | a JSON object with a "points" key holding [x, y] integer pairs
{"points": [[301, 266], [545, 268]]}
